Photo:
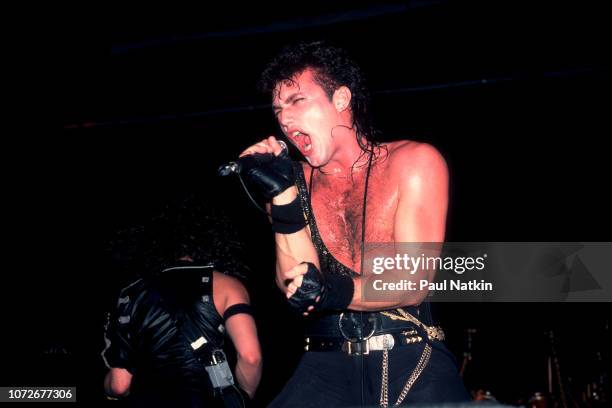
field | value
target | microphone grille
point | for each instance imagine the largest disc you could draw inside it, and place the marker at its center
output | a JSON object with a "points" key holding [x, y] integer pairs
{"points": [[285, 151]]}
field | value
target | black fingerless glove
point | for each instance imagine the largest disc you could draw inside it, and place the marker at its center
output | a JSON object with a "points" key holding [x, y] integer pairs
{"points": [[270, 177], [335, 291], [312, 287]]}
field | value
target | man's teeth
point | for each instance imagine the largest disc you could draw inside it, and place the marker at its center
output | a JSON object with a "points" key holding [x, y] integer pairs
{"points": [[307, 146]]}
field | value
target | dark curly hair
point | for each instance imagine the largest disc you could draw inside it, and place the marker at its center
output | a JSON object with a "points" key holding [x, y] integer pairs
{"points": [[332, 68], [185, 227]]}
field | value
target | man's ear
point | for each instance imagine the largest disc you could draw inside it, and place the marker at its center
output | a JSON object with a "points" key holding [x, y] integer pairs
{"points": [[342, 98]]}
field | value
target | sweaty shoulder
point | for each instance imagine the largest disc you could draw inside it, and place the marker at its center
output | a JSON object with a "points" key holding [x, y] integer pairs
{"points": [[228, 291], [416, 161], [421, 176]]}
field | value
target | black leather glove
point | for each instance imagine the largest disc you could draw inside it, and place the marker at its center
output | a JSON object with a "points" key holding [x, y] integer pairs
{"points": [[335, 291], [312, 287], [269, 176]]}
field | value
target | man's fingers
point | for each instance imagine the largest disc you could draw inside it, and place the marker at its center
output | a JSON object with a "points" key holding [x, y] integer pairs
{"points": [[265, 147], [297, 270], [274, 145], [256, 148], [262, 147], [291, 289]]}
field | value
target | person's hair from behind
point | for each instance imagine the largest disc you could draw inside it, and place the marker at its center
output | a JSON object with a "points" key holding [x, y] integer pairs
{"points": [[332, 68], [186, 228]]}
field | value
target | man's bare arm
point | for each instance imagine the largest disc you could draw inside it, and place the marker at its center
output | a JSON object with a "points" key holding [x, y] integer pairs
{"points": [[242, 331], [291, 249]]}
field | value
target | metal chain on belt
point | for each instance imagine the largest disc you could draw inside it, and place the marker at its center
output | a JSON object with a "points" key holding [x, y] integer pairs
{"points": [[434, 333], [384, 388]]}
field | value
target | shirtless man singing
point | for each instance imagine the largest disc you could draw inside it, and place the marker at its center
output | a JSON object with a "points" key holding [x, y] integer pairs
{"points": [[350, 190]]}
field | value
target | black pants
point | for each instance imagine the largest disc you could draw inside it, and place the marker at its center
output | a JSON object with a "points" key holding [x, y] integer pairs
{"points": [[335, 379]]}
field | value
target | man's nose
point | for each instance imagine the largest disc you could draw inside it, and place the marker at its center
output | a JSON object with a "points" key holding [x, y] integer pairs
{"points": [[285, 119]]}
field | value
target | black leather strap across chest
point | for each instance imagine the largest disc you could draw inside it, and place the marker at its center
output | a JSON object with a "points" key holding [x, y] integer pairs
{"points": [[316, 234]]}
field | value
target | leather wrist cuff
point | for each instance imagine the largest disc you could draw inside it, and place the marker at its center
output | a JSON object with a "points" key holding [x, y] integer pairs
{"points": [[288, 218]]}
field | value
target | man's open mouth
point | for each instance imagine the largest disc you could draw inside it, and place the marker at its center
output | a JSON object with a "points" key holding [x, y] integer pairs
{"points": [[301, 140]]}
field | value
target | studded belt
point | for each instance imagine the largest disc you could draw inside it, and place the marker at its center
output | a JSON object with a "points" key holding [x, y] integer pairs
{"points": [[386, 341]]}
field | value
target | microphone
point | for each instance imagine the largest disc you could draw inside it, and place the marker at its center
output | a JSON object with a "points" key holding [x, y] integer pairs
{"points": [[250, 161]]}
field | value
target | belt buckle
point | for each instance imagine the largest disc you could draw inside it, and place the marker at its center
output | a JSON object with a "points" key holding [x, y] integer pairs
{"points": [[356, 348], [356, 341], [378, 342]]}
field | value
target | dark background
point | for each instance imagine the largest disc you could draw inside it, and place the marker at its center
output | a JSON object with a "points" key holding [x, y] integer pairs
{"points": [[139, 106]]}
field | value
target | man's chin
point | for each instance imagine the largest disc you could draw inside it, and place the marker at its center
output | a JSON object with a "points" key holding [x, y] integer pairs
{"points": [[311, 161]]}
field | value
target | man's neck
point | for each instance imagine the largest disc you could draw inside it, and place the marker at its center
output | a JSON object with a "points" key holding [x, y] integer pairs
{"points": [[347, 159]]}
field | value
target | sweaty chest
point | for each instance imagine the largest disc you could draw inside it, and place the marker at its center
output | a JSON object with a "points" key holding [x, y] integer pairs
{"points": [[338, 211]]}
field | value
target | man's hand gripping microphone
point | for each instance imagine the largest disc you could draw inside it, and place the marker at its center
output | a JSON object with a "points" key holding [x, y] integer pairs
{"points": [[266, 173]]}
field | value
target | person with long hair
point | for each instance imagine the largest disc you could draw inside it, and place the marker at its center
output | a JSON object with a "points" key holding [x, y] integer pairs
{"points": [[350, 189], [165, 338]]}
